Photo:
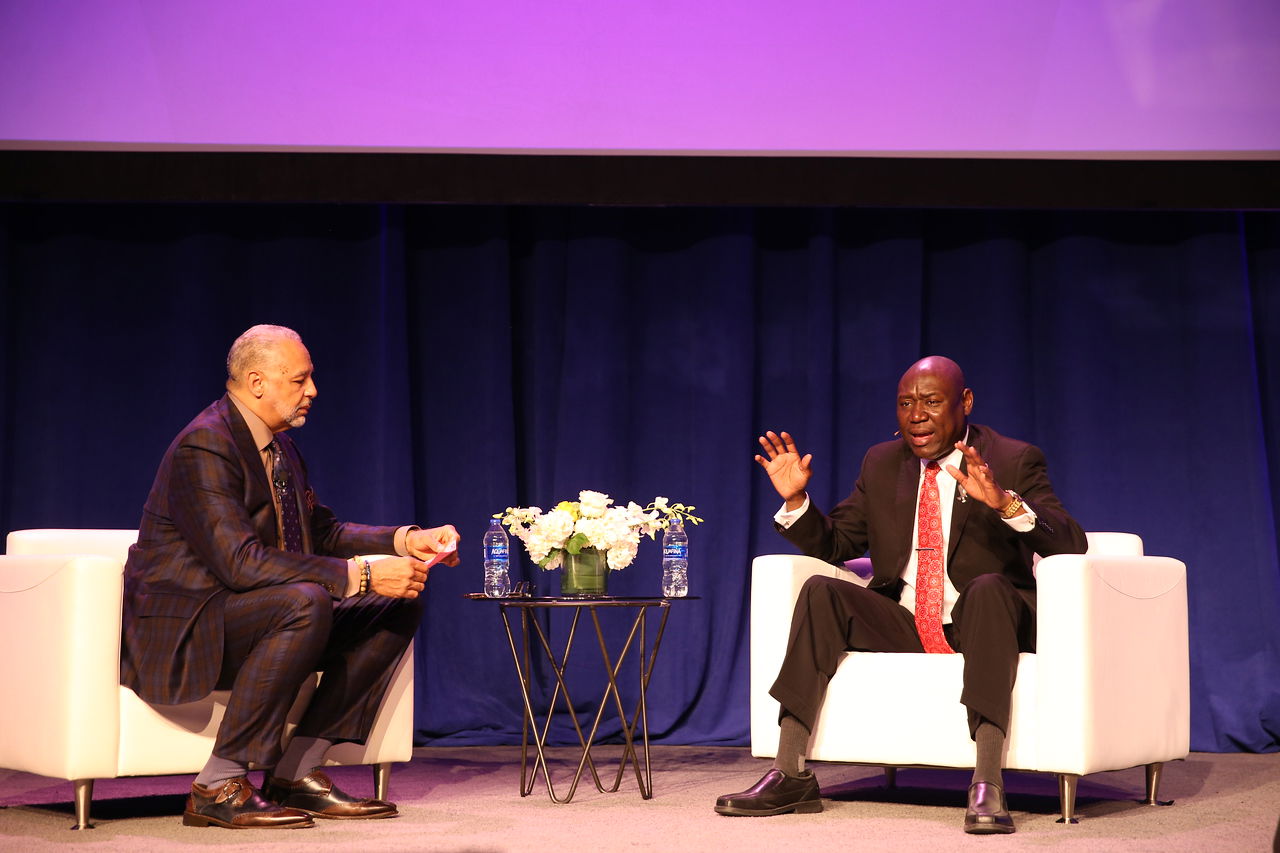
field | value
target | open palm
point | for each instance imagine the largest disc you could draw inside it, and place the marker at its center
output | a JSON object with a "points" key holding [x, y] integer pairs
{"points": [[787, 469]]}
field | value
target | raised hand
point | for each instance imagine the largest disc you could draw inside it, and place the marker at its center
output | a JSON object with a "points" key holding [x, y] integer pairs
{"points": [[979, 483], [398, 577], [787, 469]]}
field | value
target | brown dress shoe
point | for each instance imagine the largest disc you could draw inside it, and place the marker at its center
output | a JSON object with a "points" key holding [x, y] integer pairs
{"points": [[316, 795], [236, 805], [775, 793], [987, 813]]}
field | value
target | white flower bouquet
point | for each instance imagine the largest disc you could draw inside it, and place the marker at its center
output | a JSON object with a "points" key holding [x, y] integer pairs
{"points": [[591, 522]]}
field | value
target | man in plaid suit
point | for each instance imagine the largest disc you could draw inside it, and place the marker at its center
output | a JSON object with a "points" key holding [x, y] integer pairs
{"points": [[241, 580]]}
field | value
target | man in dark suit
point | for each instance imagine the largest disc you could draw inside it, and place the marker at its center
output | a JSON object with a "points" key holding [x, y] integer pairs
{"points": [[241, 580], [969, 589]]}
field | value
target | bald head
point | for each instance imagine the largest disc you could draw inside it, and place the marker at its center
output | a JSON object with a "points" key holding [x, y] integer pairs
{"points": [[940, 366], [933, 406]]}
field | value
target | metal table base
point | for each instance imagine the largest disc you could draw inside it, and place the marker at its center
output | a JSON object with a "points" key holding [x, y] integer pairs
{"points": [[522, 654]]}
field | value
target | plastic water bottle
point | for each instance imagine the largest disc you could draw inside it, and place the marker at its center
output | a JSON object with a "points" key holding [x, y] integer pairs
{"points": [[675, 560], [497, 560]]}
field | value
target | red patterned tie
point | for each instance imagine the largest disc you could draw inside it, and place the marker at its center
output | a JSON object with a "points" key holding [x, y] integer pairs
{"points": [[929, 578]]}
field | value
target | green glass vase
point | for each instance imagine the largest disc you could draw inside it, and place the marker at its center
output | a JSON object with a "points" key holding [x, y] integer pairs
{"points": [[585, 573]]}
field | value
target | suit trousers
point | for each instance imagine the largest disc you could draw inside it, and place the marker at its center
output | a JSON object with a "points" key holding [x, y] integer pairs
{"points": [[992, 623], [277, 636]]}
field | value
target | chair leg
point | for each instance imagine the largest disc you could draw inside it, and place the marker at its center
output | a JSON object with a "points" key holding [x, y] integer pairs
{"points": [[84, 794], [1067, 797], [381, 779], [891, 777], [1154, 771]]}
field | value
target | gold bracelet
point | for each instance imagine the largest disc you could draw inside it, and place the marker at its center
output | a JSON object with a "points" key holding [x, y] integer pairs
{"points": [[1012, 509]]}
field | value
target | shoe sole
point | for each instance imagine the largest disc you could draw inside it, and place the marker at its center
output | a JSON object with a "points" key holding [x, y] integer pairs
{"points": [[989, 829], [199, 820], [807, 807], [323, 816]]}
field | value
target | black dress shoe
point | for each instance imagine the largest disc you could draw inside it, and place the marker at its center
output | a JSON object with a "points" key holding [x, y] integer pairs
{"points": [[316, 795], [987, 814], [236, 805], [775, 793]]}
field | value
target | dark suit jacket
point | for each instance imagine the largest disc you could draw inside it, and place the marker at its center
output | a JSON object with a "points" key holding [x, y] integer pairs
{"points": [[209, 529], [878, 516]]}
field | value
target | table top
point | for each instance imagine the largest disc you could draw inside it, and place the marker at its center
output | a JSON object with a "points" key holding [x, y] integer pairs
{"points": [[579, 600]]}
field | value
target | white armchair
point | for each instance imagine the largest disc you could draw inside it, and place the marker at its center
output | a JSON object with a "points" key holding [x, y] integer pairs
{"points": [[70, 718], [1107, 689]]}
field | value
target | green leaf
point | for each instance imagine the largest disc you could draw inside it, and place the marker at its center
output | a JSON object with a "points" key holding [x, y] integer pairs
{"points": [[576, 543]]}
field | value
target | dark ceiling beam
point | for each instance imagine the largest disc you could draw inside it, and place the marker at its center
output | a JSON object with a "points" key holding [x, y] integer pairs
{"points": [[429, 178]]}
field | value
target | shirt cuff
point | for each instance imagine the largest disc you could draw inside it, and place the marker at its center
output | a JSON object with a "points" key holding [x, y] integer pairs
{"points": [[785, 517], [353, 578], [402, 539]]}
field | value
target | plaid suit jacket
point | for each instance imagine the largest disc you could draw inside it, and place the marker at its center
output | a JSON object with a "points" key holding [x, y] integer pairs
{"points": [[208, 530]]}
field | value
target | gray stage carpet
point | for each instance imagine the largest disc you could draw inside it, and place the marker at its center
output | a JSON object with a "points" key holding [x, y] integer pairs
{"points": [[467, 799]]}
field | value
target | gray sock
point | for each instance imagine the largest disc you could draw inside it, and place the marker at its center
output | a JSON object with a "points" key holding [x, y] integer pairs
{"points": [[793, 743], [301, 756], [218, 770], [989, 748]]}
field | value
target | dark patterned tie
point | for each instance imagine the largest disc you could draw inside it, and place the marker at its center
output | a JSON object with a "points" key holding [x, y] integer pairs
{"points": [[929, 573], [282, 481]]}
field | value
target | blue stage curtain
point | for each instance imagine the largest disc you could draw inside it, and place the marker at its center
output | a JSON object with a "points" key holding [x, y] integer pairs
{"points": [[473, 358]]}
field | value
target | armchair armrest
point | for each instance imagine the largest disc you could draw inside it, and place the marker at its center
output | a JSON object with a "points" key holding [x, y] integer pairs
{"points": [[1112, 650], [776, 580], [60, 625]]}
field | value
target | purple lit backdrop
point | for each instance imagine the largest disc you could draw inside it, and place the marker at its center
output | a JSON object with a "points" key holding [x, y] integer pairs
{"points": [[822, 75]]}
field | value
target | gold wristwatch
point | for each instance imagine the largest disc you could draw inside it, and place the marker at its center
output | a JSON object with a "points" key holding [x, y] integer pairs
{"points": [[1012, 509]]}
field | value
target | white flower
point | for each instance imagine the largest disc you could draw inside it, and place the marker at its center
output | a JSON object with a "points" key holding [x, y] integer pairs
{"points": [[596, 531], [621, 555], [556, 527], [593, 504]]}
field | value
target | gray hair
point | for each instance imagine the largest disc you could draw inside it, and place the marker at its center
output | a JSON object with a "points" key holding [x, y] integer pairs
{"points": [[252, 349]]}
